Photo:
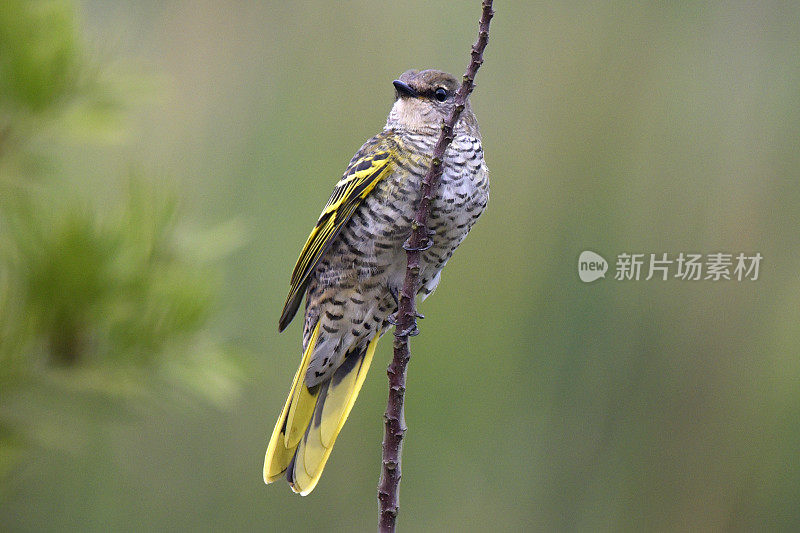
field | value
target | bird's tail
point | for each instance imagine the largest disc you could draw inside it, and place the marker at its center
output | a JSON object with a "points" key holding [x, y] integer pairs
{"points": [[312, 418]]}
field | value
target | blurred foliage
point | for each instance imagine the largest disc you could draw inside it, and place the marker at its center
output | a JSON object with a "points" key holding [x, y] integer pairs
{"points": [[39, 55], [108, 300], [47, 85]]}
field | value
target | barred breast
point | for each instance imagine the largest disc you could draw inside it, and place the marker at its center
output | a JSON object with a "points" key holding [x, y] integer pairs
{"points": [[354, 288]]}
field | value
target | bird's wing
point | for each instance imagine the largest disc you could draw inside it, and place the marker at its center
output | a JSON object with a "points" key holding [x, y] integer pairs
{"points": [[373, 162]]}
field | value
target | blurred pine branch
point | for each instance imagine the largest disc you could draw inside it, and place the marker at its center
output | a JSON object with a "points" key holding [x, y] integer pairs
{"points": [[103, 302]]}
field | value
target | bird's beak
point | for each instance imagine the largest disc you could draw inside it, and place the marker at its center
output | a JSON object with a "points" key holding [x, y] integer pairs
{"points": [[403, 89]]}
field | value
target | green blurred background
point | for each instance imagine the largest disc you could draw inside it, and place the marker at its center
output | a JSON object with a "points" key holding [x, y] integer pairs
{"points": [[161, 163]]}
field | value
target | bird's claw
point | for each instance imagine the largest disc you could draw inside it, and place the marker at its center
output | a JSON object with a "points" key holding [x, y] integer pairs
{"points": [[425, 245], [411, 331], [392, 319]]}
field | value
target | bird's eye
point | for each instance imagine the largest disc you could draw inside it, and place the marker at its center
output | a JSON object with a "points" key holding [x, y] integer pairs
{"points": [[440, 94]]}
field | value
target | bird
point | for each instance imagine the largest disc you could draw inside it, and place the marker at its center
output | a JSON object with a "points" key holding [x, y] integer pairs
{"points": [[352, 266]]}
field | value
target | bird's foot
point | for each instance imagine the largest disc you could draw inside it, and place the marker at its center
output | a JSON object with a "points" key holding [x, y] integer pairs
{"points": [[412, 331], [392, 319], [426, 244]]}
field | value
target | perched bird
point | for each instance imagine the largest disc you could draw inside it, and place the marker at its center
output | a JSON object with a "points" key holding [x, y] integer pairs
{"points": [[352, 266]]}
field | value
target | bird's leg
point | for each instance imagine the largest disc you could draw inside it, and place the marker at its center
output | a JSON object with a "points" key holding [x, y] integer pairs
{"points": [[392, 319]]}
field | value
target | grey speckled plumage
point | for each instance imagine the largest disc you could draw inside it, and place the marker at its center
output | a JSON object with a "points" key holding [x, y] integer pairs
{"points": [[353, 264]]}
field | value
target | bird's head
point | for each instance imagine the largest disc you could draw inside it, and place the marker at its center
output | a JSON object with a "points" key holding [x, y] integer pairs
{"points": [[423, 99]]}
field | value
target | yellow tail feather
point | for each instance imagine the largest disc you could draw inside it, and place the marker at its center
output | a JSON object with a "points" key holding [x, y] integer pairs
{"points": [[310, 422], [279, 453]]}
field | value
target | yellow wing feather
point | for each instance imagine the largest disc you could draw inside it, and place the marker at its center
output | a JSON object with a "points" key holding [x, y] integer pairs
{"points": [[371, 164]]}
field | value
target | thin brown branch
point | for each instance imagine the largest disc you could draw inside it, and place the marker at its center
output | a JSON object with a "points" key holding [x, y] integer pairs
{"points": [[394, 419]]}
